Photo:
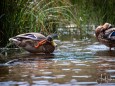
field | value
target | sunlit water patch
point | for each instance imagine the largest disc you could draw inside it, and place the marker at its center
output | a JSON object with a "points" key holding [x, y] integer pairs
{"points": [[98, 47]]}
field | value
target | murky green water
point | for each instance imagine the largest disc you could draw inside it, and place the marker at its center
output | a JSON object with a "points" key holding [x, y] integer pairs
{"points": [[74, 63]]}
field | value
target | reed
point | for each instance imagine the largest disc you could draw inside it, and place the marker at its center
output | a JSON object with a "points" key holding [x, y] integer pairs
{"points": [[20, 16], [92, 12]]}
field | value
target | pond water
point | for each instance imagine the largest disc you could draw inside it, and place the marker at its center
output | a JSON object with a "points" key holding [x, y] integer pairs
{"points": [[74, 63]]}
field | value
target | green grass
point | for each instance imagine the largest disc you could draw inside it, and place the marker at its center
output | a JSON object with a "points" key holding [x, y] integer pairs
{"points": [[20, 16]]}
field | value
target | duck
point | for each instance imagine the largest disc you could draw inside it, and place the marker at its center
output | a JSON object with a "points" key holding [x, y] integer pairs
{"points": [[105, 34], [34, 42]]}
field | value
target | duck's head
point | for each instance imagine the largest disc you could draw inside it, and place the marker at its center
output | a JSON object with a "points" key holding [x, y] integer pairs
{"points": [[106, 26], [102, 28], [50, 39]]}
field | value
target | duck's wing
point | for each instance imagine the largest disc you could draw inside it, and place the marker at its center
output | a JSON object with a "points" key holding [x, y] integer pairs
{"points": [[110, 34], [33, 36]]}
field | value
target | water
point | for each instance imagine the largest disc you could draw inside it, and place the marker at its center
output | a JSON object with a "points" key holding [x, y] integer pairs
{"points": [[74, 63]]}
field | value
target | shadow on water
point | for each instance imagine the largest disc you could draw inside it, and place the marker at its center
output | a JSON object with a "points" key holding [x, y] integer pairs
{"points": [[74, 63]]}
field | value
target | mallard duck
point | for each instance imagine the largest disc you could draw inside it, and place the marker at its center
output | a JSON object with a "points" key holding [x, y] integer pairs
{"points": [[106, 35], [34, 42]]}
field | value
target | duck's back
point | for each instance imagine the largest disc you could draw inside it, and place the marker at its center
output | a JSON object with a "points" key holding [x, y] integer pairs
{"points": [[32, 35]]}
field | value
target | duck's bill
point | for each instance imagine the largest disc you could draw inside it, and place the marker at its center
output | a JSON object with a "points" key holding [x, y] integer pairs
{"points": [[54, 44]]}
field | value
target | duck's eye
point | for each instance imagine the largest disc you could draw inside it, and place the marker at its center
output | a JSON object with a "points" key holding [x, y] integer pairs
{"points": [[49, 38]]}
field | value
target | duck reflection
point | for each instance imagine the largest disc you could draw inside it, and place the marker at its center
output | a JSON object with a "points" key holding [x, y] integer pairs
{"points": [[26, 64], [37, 56], [105, 53]]}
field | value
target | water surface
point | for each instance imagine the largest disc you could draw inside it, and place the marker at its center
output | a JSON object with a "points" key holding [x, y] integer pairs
{"points": [[74, 63]]}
